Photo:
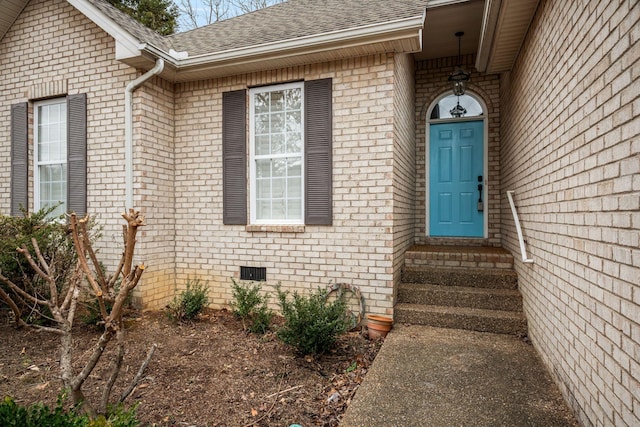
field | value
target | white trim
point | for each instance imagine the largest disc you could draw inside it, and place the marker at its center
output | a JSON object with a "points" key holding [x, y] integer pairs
{"points": [[36, 134], [485, 154], [252, 155], [126, 45]]}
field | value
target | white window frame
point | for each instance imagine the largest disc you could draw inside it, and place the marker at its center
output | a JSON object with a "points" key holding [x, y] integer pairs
{"points": [[37, 205], [253, 157]]}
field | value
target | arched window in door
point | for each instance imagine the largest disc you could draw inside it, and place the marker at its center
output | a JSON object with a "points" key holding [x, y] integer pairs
{"points": [[452, 106]]}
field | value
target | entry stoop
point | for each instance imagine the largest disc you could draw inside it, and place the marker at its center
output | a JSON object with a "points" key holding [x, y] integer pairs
{"points": [[474, 288]]}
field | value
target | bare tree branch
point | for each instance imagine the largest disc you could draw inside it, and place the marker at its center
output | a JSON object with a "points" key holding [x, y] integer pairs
{"points": [[138, 376]]}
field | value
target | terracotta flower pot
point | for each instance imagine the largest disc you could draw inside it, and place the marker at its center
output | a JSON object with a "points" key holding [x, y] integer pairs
{"points": [[378, 325]]}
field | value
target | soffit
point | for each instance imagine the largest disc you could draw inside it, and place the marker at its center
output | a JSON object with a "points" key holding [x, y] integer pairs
{"points": [[443, 20], [9, 11], [505, 25]]}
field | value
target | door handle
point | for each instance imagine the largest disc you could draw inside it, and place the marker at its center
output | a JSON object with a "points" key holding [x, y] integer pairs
{"points": [[480, 203]]}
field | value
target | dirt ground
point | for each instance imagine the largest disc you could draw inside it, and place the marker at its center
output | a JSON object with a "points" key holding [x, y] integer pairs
{"points": [[207, 373]]}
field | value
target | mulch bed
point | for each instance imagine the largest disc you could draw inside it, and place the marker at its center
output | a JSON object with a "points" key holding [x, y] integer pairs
{"points": [[206, 373]]}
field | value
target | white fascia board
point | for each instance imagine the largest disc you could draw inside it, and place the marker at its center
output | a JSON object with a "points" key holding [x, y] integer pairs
{"points": [[487, 33], [127, 46], [437, 3], [411, 26]]}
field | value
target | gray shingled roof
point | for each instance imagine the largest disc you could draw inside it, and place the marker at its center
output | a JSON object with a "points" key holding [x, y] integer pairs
{"points": [[290, 20], [284, 21], [134, 27]]}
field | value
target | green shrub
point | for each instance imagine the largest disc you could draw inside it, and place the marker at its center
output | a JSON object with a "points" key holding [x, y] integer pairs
{"points": [[251, 307], [56, 246], [312, 324], [190, 303], [38, 415]]}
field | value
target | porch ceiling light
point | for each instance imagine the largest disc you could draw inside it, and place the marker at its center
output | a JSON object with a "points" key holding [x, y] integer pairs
{"points": [[459, 77]]}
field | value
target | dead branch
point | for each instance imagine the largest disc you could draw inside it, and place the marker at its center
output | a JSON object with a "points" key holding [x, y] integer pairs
{"points": [[80, 250], [12, 305], [42, 272], [134, 220], [138, 376], [27, 296], [116, 364]]}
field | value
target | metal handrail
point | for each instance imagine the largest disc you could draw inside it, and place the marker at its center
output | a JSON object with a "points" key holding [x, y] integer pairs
{"points": [[523, 249]]}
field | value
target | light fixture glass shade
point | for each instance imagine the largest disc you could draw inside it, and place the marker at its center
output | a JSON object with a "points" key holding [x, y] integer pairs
{"points": [[459, 78]]}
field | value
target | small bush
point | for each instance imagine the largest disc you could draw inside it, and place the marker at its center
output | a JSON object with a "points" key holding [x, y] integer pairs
{"points": [[251, 307], [38, 415], [190, 303], [56, 245], [312, 324]]}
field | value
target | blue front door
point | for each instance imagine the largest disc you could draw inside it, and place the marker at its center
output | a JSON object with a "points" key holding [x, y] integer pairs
{"points": [[455, 172]]}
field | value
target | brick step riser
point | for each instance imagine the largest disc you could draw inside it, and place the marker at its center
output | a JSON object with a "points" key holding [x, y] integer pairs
{"points": [[490, 279], [504, 264], [453, 298], [460, 321]]}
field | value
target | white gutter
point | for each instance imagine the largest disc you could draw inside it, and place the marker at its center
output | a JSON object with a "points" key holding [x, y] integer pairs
{"points": [[128, 127]]}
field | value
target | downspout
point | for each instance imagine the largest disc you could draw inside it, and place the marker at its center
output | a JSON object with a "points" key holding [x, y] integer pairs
{"points": [[128, 127]]}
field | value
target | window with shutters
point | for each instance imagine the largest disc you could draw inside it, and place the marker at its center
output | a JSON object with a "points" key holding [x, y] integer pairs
{"points": [[290, 152], [277, 154], [50, 155]]}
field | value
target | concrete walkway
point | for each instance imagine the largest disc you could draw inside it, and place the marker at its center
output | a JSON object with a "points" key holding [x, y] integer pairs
{"points": [[425, 376]]}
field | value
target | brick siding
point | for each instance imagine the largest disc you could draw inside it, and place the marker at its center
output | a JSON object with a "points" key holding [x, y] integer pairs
{"points": [[570, 144], [51, 50], [357, 248]]}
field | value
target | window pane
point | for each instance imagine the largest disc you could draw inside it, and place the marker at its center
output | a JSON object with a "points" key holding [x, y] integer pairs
{"points": [[278, 209], [263, 209], [294, 208], [293, 99], [262, 124], [263, 168], [279, 167], [278, 187], [277, 122], [51, 137], [295, 167], [261, 103], [262, 145], [278, 140], [263, 188], [294, 143], [277, 144], [294, 121], [443, 109], [277, 101], [294, 187], [53, 184]]}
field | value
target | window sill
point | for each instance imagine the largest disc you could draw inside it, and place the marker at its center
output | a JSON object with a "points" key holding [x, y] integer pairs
{"points": [[275, 228]]}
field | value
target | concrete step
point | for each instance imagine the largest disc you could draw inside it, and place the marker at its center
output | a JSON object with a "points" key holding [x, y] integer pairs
{"points": [[472, 257], [494, 321], [457, 296], [497, 278]]}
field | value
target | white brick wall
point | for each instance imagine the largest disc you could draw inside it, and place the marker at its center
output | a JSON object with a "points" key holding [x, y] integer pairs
{"points": [[357, 248], [404, 163], [52, 49], [570, 150]]}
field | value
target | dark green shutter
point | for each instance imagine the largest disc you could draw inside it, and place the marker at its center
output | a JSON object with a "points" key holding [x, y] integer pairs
{"points": [[234, 155], [77, 154], [318, 152], [19, 158]]}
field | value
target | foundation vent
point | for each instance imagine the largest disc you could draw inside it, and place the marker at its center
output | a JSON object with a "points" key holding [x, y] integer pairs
{"points": [[258, 274]]}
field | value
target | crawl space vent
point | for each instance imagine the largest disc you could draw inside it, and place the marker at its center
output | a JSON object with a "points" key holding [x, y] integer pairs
{"points": [[259, 274]]}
